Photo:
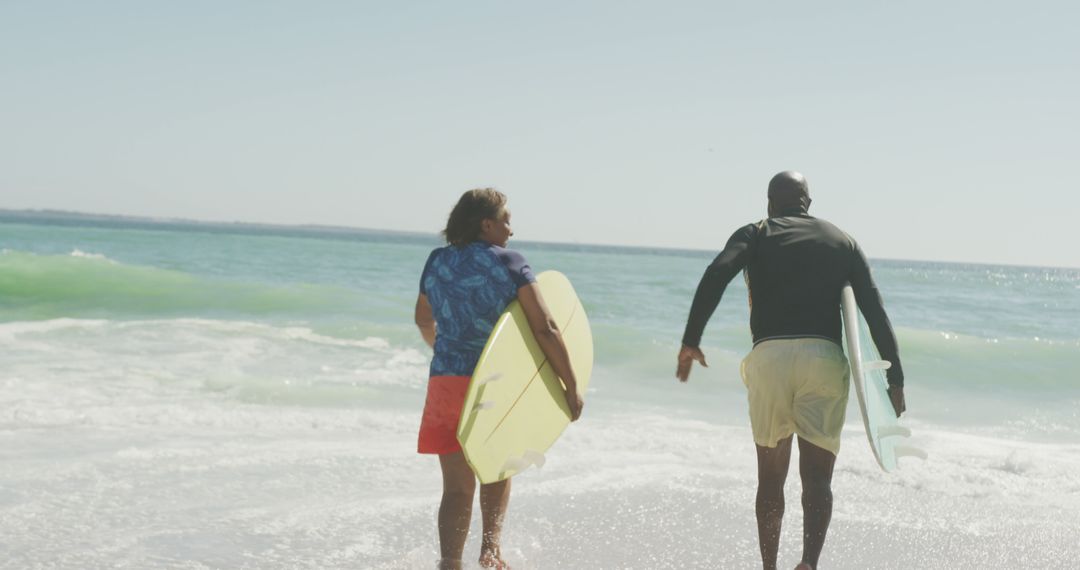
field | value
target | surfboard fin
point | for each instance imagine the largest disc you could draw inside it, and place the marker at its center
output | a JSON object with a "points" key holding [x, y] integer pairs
{"points": [[492, 378], [528, 458], [909, 451], [484, 405], [534, 457], [893, 431], [877, 365]]}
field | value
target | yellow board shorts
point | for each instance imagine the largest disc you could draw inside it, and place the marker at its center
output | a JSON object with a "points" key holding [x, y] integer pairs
{"points": [[797, 385]]}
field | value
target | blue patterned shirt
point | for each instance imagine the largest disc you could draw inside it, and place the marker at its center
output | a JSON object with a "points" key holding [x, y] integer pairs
{"points": [[468, 288]]}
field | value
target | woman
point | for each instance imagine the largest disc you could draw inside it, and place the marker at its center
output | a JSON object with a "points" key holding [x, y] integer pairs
{"points": [[464, 288]]}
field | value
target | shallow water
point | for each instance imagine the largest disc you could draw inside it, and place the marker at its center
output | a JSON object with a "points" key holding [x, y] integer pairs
{"points": [[176, 396]]}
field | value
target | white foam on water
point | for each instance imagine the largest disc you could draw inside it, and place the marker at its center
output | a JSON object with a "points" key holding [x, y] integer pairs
{"points": [[221, 483], [8, 331], [66, 364], [98, 256], [196, 443], [647, 491]]}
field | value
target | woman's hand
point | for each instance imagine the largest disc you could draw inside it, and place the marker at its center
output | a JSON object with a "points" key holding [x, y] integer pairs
{"points": [[573, 399]]}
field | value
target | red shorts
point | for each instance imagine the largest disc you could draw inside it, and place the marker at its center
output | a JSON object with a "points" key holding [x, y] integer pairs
{"points": [[442, 411]]}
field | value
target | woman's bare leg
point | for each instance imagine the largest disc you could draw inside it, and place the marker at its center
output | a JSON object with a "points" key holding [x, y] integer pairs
{"points": [[455, 510], [494, 498]]}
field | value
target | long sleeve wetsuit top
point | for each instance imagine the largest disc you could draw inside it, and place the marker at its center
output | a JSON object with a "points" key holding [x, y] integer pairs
{"points": [[797, 266]]}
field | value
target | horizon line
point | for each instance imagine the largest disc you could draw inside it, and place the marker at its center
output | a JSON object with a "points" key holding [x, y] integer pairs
{"points": [[74, 215]]}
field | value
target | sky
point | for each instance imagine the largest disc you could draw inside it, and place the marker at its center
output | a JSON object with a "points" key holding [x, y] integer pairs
{"points": [[942, 131]]}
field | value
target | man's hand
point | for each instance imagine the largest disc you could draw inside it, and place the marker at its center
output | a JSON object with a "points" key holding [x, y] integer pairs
{"points": [[896, 395], [687, 356], [574, 401]]}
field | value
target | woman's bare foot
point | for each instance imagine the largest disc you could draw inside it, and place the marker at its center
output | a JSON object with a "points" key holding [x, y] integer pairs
{"points": [[449, 564], [493, 559]]}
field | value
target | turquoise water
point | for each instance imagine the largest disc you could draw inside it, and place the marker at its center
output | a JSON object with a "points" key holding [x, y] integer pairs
{"points": [[263, 385]]}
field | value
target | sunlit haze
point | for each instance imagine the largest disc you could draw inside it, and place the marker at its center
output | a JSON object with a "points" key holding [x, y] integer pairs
{"points": [[927, 130]]}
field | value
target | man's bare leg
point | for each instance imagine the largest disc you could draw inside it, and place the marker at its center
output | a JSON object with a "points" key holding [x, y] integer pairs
{"points": [[815, 469], [494, 498], [455, 510], [772, 471]]}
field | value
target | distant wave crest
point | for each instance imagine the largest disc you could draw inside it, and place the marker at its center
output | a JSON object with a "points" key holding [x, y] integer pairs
{"points": [[81, 284]]}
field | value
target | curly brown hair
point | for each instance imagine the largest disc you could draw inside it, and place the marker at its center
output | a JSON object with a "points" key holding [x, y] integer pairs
{"points": [[474, 206]]}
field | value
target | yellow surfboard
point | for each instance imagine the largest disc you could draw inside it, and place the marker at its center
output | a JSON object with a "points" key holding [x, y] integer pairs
{"points": [[515, 408]]}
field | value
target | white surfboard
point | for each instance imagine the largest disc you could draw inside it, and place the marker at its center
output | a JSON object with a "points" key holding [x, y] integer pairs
{"points": [[883, 429]]}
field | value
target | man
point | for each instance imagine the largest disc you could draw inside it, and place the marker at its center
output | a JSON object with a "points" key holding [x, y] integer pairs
{"points": [[796, 375]]}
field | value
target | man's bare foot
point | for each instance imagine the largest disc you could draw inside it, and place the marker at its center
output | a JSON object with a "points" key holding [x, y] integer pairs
{"points": [[493, 559], [804, 566]]}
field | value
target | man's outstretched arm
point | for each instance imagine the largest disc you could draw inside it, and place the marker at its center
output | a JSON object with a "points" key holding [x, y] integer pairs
{"points": [[709, 291]]}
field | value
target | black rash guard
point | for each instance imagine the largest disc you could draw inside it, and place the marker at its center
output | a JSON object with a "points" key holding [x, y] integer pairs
{"points": [[796, 266]]}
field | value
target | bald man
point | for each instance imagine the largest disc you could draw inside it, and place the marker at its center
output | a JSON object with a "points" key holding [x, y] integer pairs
{"points": [[796, 375]]}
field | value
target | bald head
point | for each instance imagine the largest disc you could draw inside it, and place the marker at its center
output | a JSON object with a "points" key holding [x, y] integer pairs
{"points": [[788, 191]]}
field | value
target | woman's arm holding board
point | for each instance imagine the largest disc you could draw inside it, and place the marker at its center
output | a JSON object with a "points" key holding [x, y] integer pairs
{"points": [[549, 337]]}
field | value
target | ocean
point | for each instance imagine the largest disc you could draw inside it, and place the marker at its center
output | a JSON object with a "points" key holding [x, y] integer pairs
{"points": [[184, 395]]}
